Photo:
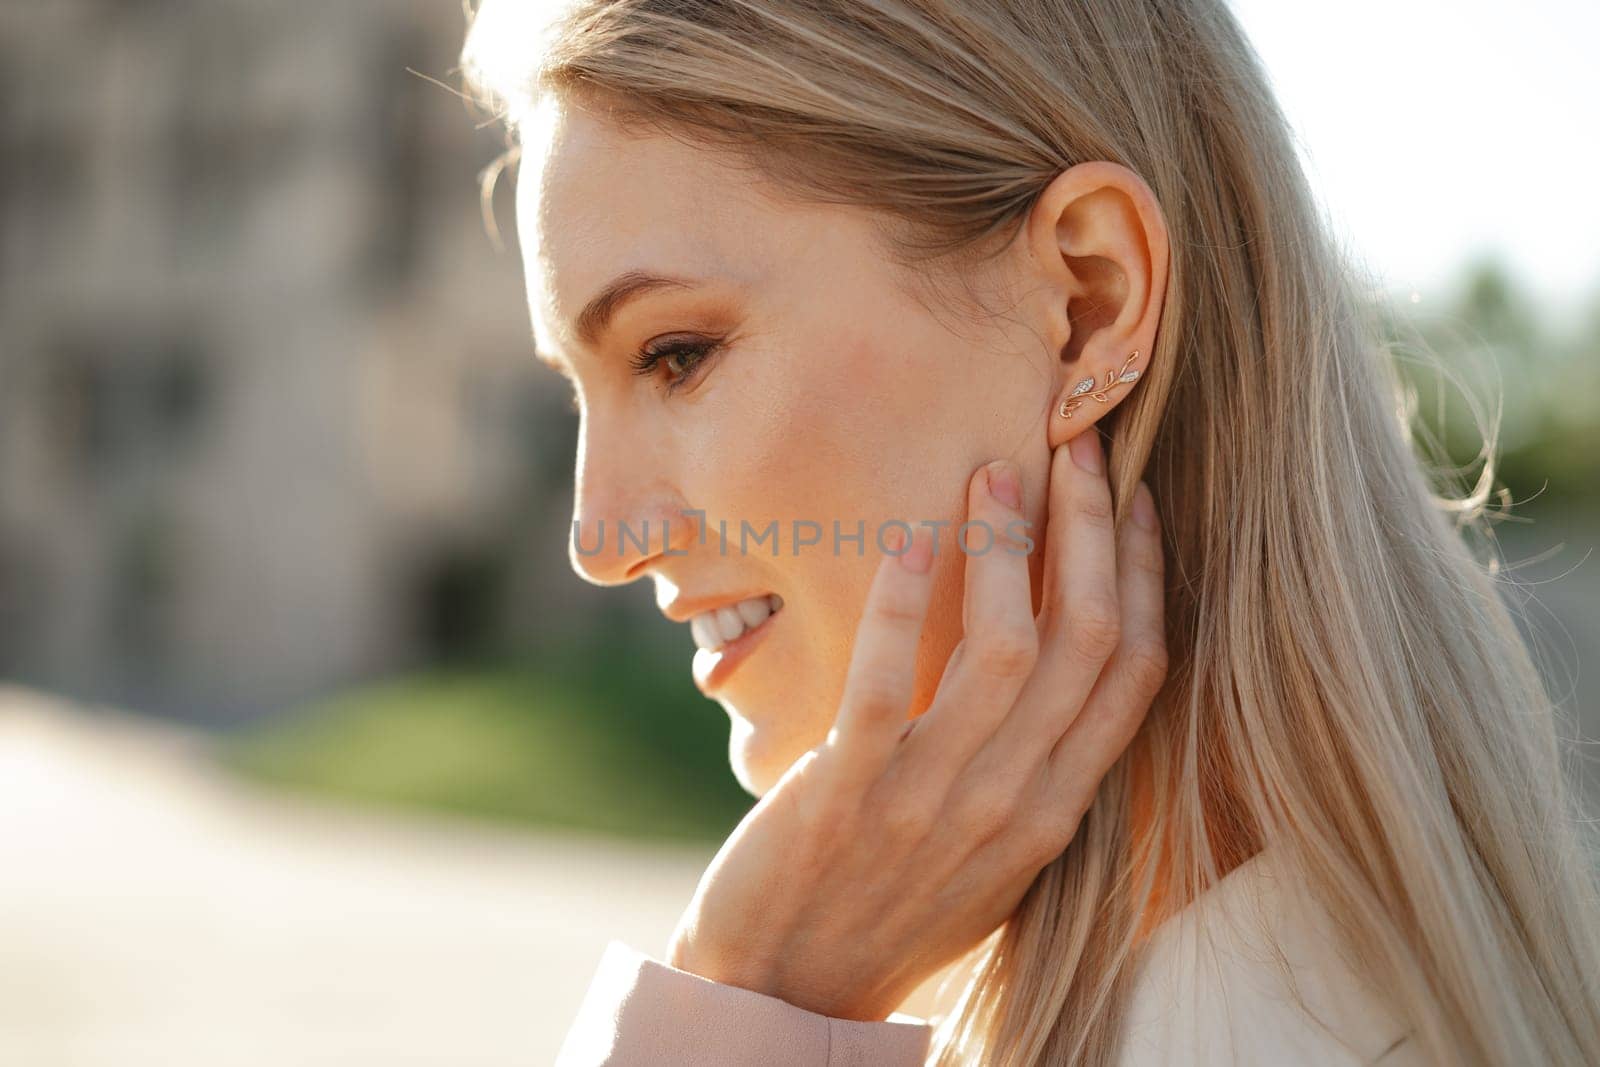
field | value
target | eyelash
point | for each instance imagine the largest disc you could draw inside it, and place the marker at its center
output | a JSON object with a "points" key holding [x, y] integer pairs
{"points": [[647, 360]]}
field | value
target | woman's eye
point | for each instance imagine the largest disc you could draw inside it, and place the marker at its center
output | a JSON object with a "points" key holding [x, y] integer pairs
{"points": [[680, 357]]}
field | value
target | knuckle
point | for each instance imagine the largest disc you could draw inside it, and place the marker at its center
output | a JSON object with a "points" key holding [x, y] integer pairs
{"points": [[1049, 836], [985, 814], [1094, 642], [825, 809], [1009, 540], [1096, 627], [1093, 508], [896, 612], [878, 691], [1145, 555], [1009, 653], [1147, 664], [908, 816]]}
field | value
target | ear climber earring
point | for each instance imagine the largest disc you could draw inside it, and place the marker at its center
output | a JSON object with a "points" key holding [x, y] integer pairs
{"points": [[1090, 387]]}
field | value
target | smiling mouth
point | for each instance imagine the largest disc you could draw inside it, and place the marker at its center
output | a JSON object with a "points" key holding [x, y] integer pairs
{"points": [[722, 626], [714, 664]]}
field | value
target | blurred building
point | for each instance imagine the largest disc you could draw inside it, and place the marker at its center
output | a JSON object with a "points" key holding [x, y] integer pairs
{"points": [[267, 417]]}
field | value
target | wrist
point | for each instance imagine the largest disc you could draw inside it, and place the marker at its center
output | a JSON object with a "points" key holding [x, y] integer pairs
{"points": [[684, 955]]}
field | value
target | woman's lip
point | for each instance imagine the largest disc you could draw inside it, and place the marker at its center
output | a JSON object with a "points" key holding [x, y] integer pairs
{"points": [[711, 669]]}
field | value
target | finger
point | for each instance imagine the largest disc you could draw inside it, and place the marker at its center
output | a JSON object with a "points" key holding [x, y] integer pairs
{"points": [[1000, 640], [1133, 677], [1080, 622], [1056, 491], [1065, 784], [879, 681]]}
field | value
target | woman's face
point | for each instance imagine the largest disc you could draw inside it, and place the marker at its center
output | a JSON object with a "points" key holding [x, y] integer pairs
{"points": [[830, 394]]}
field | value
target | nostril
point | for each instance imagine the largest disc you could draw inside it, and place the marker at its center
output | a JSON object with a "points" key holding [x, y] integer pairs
{"points": [[612, 550]]}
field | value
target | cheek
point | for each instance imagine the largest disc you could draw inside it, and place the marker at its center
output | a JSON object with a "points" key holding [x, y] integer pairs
{"points": [[809, 434], [848, 436], [836, 423], [854, 425]]}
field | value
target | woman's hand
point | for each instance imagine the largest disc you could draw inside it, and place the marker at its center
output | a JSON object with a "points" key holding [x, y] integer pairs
{"points": [[888, 851]]}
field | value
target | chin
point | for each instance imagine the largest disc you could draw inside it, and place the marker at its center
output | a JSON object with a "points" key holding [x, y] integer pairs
{"points": [[741, 774], [749, 769], [757, 764]]}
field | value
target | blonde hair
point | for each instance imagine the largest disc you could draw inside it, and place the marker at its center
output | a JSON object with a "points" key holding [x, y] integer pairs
{"points": [[1346, 683]]}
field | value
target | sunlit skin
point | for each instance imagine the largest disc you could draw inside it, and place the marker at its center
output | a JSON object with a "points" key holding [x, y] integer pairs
{"points": [[879, 850], [834, 392]]}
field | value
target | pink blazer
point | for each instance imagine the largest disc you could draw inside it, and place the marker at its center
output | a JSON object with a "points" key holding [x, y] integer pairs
{"points": [[639, 1011], [1208, 989]]}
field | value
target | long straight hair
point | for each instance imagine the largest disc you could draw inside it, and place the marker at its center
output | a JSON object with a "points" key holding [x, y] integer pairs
{"points": [[1347, 685]]}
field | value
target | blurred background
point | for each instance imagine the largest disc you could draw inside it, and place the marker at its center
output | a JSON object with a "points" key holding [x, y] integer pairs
{"points": [[312, 747]]}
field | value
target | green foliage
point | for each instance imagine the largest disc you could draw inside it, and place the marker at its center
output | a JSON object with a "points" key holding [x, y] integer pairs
{"points": [[1509, 370], [571, 740]]}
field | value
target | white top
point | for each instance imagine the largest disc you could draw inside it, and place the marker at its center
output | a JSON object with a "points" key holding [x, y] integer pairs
{"points": [[1209, 990]]}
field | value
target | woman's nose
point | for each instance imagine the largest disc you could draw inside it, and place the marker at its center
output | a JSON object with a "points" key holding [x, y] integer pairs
{"points": [[622, 519], [613, 545]]}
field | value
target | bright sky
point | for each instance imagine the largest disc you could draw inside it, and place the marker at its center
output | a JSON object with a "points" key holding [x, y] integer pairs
{"points": [[1435, 128]]}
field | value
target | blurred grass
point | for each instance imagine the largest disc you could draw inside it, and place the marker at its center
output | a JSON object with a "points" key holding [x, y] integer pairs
{"points": [[1534, 385], [569, 740]]}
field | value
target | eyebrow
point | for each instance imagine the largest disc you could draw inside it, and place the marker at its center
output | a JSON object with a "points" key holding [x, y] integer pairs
{"points": [[598, 312]]}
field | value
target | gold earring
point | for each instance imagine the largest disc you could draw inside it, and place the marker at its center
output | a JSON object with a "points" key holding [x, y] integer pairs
{"points": [[1114, 378]]}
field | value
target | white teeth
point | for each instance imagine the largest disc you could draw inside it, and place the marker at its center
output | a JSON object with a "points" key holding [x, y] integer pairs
{"points": [[754, 611], [713, 629], [705, 631], [729, 622]]}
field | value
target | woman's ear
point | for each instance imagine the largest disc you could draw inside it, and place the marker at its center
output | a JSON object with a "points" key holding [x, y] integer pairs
{"points": [[1099, 244]]}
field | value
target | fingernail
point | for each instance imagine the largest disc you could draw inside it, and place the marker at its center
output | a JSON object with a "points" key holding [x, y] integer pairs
{"points": [[919, 557], [1004, 485], [1144, 507], [1086, 451]]}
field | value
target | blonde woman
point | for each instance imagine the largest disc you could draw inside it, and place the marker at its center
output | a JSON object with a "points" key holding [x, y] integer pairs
{"points": [[1226, 750]]}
